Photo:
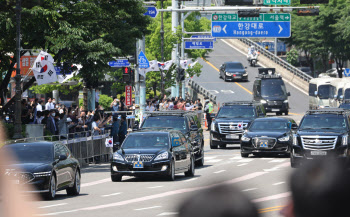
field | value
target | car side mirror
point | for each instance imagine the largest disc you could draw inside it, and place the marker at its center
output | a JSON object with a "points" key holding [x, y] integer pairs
{"points": [[194, 127], [288, 94], [294, 127], [62, 157]]}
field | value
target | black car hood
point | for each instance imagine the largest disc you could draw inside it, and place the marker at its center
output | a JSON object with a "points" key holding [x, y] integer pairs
{"points": [[28, 167], [235, 70], [321, 132], [142, 151], [276, 134], [275, 98]]}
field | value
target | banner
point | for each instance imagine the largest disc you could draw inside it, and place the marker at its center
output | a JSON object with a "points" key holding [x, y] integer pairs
{"points": [[128, 95], [46, 73]]}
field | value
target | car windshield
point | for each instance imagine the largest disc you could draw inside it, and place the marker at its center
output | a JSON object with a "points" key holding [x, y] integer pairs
{"points": [[174, 122], [31, 153], [335, 122], [273, 88], [146, 141], [234, 66], [236, 112], [347, 94], [324, 91], [268, 125]]}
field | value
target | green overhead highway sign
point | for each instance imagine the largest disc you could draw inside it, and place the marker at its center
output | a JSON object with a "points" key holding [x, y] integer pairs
{"points": [[262, 17], [277, 2]]}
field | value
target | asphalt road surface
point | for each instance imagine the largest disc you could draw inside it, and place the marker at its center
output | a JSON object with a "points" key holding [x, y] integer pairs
{"points": [[264, 180]]}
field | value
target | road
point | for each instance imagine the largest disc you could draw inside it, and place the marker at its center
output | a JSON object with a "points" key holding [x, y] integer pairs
{"points": [[264, 180]]}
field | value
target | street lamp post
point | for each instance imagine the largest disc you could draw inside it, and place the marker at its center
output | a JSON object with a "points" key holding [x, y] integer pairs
{"points": [[18, 109], [162, 48]]}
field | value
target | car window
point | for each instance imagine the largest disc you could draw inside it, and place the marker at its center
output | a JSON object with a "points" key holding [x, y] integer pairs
{"points": [[60, 150]]}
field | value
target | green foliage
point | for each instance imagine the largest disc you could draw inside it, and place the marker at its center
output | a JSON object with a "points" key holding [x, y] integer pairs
{"points": [[48, 88], [105, 101], [292, 56]]}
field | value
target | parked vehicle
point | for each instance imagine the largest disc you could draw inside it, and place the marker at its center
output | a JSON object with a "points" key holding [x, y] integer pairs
{"points": [[48, 167], [231, 71], [164, 153]]}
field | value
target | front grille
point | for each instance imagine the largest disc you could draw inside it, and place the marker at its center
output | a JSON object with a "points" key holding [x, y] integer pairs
{"points": [[141, 157], [275, 102], [231, 128], [319, 142], [258, 142], [19, 177]]}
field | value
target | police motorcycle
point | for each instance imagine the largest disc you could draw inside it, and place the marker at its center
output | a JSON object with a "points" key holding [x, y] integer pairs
{"points": [[252, 56]]}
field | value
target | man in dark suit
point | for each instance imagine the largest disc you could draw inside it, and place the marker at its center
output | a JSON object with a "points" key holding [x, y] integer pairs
{"points": [[51, 123]]}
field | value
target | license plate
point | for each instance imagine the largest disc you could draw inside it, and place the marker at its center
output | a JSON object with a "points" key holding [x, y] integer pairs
{"points": [[322, 153], [232, 136], [138, 165], [238, 77], [263, 144], [275, 110]]}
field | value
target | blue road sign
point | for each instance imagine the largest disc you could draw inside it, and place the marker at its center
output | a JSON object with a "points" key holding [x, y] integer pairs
{"points": [[346, 72], [281, 47], [151, 11], [119, 63], [204, 37], [143, 61], [196, 44], [264, 26]]}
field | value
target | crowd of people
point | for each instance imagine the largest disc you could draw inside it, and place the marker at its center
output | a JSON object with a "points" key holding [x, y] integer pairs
{"points": [[174, 103]]}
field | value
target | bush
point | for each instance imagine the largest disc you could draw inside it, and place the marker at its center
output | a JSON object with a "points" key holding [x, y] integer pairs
{"points": [[105, 101]]}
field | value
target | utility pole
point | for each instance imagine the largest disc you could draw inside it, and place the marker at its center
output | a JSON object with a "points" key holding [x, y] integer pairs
{"points": [[162, 49], [137, 76], [18, 107], [174, 54]]}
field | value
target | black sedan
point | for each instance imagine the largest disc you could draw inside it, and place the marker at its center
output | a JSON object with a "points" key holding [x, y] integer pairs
{"points": [[268, 136], [48, 167], [231, 71], [162, 153]]}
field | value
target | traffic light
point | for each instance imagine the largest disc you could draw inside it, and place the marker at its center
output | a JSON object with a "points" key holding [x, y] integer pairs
{"points": [[180, 74], [308, 12], [314, 1], [239, 2], [126, 74], [248, 13]]}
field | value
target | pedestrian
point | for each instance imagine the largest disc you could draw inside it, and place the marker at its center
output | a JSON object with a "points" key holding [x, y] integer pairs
{"points": [[51, 123], [115, 106], [115, 133], [97, 98], [208, 110], [64, 124], [49, 105], [94, 126], [122, 106], [39, 107], [199, 105], [123, 129], [218, 201]]}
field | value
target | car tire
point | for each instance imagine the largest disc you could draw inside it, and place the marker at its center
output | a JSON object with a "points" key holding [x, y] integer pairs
{"points": [[171, 175], [116, 178], [225, 78], [223, 146], [200, 162], [52, 188], [244, 155], [213, 146], [220, 75], [286, 113], [191, 170], [75, 190]]}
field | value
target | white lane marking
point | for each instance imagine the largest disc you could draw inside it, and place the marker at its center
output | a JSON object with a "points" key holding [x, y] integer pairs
{"points": [[57, 213], [242, 165], [277, 161], [210, 157], [213, 161], [272, 197], [190, 180], [60, 204], [152, 207], [159, 186], [249, 189], [236, 158], [277, 167], [96, 182], [264, 66], [213, 91], [227, 91], [108, 195], [168, 213], [279, 183], [245, 160], [220, 171]]}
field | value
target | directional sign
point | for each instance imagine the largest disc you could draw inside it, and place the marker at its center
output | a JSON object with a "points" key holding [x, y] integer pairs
{"points": [[204, 37], [347, 72], [151, 11], [264, 26], [119, 63], [143, 61], [277, 2], [281, 47], [199, 44]]}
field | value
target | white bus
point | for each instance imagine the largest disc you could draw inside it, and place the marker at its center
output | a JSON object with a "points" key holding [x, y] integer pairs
{"points": [[320, 92]]}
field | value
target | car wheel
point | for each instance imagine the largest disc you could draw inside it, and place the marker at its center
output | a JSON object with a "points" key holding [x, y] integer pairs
{"points": [[244, 155], [200, 162], [171, 175], [213, 146], [52, 189], [220, 75], [286, 113], [191, 170], [223, 146], [75, 190], [225, 78], [116, 178]]}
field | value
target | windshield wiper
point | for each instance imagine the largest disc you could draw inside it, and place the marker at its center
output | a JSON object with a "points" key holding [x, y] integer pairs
{"points": [[223, 117], [307, 128], [327, 128]]}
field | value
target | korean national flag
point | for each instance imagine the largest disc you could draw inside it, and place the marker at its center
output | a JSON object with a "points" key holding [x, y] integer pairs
{"points": [[46, 74], [109, 142]]}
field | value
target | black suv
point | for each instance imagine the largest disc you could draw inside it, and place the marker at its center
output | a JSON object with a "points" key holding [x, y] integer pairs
{"points": [[270, 90], [185, 121], [321, 133], [231, 120]]}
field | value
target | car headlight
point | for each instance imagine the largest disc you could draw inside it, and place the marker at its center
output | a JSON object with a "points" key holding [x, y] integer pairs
{"points": [[345, 140], [245, 138], [263, 101], [246, 74], [117, 156], [285, 101], [41, 174], [212, 127], [162, 156], [284, 139], [295, 140], [227, 73]]}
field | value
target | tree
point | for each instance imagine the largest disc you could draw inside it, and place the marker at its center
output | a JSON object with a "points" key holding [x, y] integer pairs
{"points": [[292, 56]]}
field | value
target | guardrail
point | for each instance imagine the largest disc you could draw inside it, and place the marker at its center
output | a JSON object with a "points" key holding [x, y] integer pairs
{"points": [[202, 90], [278, 60]]}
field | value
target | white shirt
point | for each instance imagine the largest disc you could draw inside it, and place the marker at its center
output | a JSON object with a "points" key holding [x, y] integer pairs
{"points": [[39, 108], [49, 106]]}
